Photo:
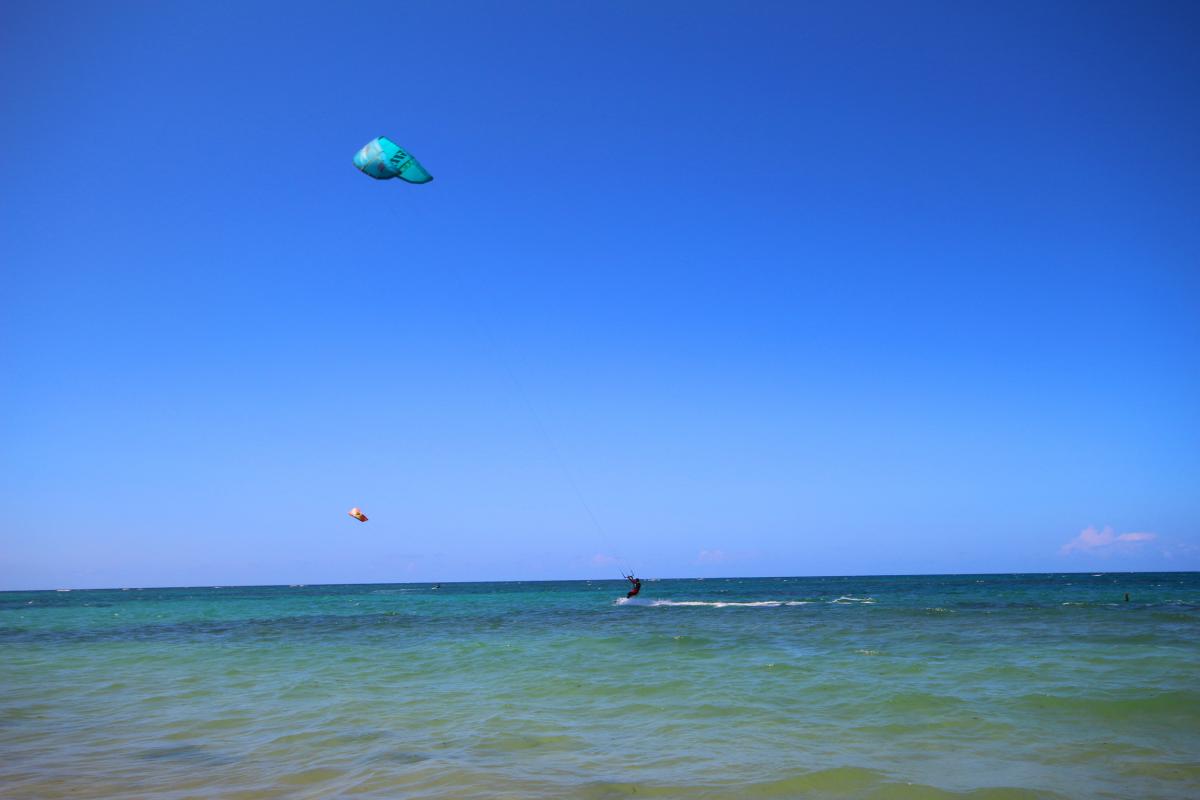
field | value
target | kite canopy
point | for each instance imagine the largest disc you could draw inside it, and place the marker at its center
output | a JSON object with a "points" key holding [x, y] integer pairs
{"points": [[382, 159], [357, 514]]}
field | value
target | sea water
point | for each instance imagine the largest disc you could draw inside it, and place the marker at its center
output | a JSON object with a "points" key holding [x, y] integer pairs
{"points": [[979, 686]]}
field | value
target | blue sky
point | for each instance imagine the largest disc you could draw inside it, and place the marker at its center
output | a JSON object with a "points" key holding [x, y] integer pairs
{"points": [[786, 289]]}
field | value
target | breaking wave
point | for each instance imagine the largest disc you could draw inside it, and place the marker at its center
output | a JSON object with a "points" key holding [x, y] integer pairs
{"points": [[647, 601], [638, 601]]}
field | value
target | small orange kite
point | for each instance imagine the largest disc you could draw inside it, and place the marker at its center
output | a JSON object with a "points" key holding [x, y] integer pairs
{"points": [[357, 514]]}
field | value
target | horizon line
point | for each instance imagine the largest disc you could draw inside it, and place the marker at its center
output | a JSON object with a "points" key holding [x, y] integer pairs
{"points": [[593, 580]]}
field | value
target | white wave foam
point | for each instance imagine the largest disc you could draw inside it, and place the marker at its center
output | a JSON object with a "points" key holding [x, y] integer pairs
{"points": [[639, 601], [848, 599]]}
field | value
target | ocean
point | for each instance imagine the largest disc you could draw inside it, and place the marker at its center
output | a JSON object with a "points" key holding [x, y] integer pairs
{"points": [[964, 686]]}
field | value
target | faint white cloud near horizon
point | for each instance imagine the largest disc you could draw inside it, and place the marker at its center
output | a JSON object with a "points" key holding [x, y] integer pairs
{"points": [[1106, 541]]}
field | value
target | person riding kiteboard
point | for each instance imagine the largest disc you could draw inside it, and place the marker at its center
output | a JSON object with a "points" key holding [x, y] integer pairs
{"points": [[637, 585]]}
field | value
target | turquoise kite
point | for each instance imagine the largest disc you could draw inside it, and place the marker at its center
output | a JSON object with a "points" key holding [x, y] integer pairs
{"points": [[382, 159]]}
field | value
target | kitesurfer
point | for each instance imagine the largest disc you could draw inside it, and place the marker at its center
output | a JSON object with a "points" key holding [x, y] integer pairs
{"points": [[637, 586]]}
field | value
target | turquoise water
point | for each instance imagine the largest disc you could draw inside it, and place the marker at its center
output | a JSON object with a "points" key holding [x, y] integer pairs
{"points": [[991, 686]]}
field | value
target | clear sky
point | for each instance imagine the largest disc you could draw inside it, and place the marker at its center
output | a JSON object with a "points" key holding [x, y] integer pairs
{"points": [[771, 288]]}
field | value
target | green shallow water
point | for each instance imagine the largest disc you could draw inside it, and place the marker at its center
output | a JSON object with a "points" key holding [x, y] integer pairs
{"points": [[994, 686]]}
